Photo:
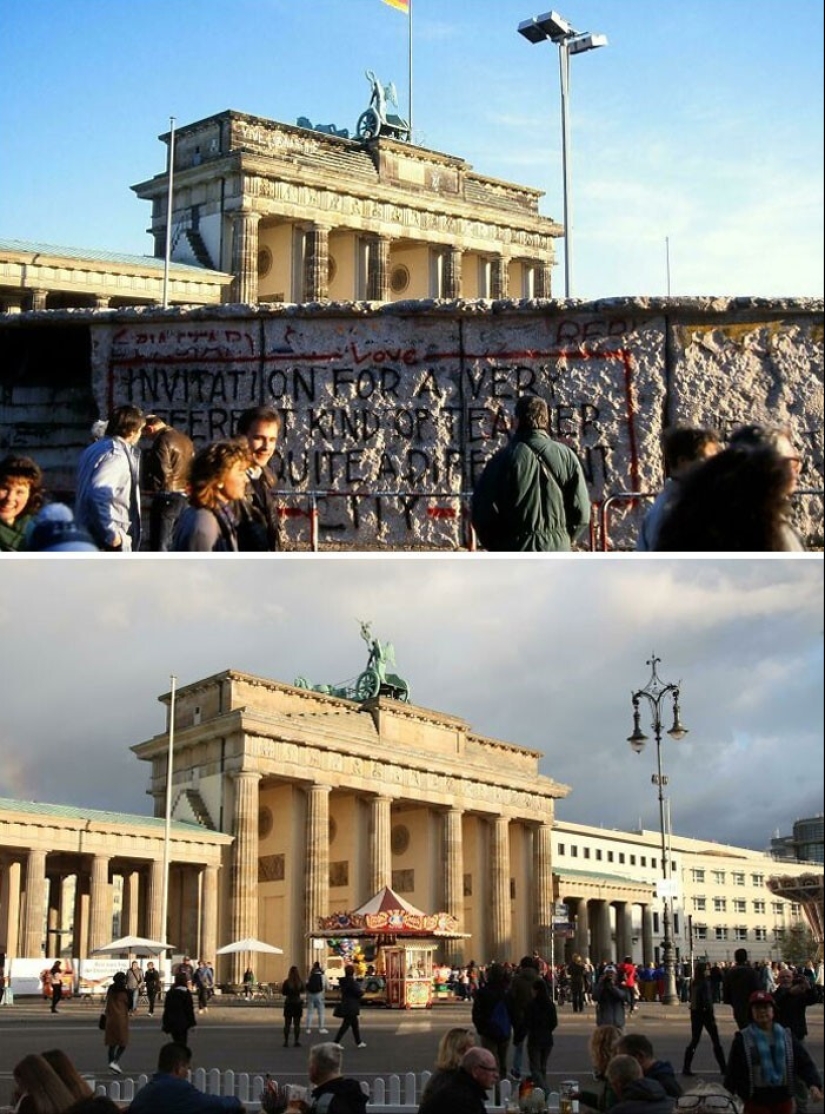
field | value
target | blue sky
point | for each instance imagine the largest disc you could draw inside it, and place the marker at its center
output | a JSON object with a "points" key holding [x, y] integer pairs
{"points": [[700, 125], [541, 653]]}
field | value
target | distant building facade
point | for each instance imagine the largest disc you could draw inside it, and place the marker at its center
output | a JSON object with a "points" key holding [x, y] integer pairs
{"points": [[807, 844]]}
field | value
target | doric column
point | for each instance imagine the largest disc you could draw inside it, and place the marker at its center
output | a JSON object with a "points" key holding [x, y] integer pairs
{"points": [[500, 918], [378, 269], [543, 900], [380, 852], [54, 884], [39, 299], [316, 263], [624, 929], [453, 892], [100, 915], [316, 902], [101, 301], [190, 918], [156, 930], [541, 280], [130, 907], [500, 277], [452, 273], [33, 923], [10, 905], [82, 909], [582, 939], [209, 914], [244, 886], [602, 944], [647, 934], [245, 257]]}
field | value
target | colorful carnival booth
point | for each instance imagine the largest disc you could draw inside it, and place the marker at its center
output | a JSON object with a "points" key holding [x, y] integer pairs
{"points": [[397, 940]]}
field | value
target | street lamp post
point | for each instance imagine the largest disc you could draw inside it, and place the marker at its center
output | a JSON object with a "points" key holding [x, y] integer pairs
{"points": [[555, 28], [655, 692]]}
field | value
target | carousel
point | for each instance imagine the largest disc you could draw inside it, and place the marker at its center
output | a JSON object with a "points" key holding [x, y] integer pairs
{"points": [[398, 940]]}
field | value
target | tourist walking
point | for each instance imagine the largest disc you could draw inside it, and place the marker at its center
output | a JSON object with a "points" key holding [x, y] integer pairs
{"points": [[204, 983], [292, 989], [116, 1020], [56, 984], [349, 1008], [611, 1000], [178, 1010], [702, 1017], [316, 991], [134, 982], [151, 980], [740, 982], [540, 1019]]}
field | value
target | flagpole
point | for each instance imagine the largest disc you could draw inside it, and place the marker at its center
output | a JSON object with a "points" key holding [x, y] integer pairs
{"points": [[410, 68]]}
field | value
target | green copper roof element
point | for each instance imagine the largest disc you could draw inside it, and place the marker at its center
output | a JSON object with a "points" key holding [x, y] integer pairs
{"points": [[375, 679], [69, 812]]}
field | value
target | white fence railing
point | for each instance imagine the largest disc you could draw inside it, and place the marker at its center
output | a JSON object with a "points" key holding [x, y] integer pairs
{"points": [[397, 1094]]}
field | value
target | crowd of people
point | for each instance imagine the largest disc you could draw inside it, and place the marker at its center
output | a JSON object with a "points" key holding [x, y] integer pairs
{"points": [[766, 1070], [531, 495]]}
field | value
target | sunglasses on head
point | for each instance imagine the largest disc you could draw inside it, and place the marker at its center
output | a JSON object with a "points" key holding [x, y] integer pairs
{"points": [[707, 1102]]}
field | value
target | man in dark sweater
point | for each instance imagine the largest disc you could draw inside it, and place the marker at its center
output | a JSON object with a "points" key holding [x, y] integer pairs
{"points": [[635, 1094], [741, 981], [639, 1047], [332, 1093], [466, 1092], [170, 1092]]}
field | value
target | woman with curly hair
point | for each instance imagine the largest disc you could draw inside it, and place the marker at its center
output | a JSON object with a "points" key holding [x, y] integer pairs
{"points": [[602, 1046], [217, 482], [21, 496]]}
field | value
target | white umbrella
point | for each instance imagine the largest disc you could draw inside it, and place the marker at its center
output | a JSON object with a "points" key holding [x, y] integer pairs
{"points": [[134, 945], [249, 944]]}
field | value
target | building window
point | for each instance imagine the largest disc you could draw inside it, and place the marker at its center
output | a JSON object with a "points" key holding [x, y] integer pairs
{"points": [[720, 933], [700, 904], [701, 931], [574, 852], [587, 852], [468, 885], [675, 924], [599, 854], [778, 909], [652, 864], [740, 933], [719, 905], [698, 875], [403, 881], [621, 856], [718, 877], [779, 934], [759, 906], [632, 860], [760, 934], [644, 860], [796, 909], [757, 879], [561, 848], [610, 856], [740, 905], [738, 878]]}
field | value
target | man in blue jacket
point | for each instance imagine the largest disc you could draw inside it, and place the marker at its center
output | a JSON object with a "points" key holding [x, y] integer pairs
{"points": [[170, 1092], [532, 495]]}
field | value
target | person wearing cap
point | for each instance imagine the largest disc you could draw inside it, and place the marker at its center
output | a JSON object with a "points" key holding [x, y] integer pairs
{"points": [[54, 530], [766, 1060], [165, 476], [791, 999]]}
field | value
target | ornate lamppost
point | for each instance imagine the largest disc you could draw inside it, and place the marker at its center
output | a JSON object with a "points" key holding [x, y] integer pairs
{"points": [[655, 693]]}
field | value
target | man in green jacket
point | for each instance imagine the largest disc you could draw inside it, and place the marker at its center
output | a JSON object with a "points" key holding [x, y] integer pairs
{"points": [[532, 495]]}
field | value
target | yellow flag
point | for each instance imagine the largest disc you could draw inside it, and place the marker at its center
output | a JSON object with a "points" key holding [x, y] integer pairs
{"points": [[401, 5]]}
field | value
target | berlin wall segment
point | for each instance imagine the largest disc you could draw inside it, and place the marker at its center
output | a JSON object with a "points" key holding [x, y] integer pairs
{"points": [[401, 407]]}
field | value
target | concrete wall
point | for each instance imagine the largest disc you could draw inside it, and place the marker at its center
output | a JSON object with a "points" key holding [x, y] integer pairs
{"points": [[398, 400]]}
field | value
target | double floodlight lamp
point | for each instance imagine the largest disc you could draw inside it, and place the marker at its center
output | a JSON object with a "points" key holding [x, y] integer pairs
{"points": [[557, 29]]}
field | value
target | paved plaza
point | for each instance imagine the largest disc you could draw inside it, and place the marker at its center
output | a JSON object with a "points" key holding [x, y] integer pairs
{"points": [[250, 1039]]}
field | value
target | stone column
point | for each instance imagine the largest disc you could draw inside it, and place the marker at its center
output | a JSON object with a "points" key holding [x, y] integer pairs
{"points": [[54, 884], [244, 886], [378, 269], [245, 257], [453, 891], [156, 930], [316, 901], [39, 299], [34, 919], [541, 280], [452, 273], [500, 277], [500, 917], [581, 941], [209, 914], [647, 934], [101, 301], [380, 852], [316, 263], [80, 932], [543, 900], [190, 918], [130, 906], [10, 904], [602, 943], [624, 929], [100, 916]]}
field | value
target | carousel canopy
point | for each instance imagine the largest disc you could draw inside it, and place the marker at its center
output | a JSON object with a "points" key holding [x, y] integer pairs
{"points": [[387, 914]]}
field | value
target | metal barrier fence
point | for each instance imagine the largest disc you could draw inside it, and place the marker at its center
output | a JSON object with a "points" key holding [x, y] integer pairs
{"points": [[397, 1094]]}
